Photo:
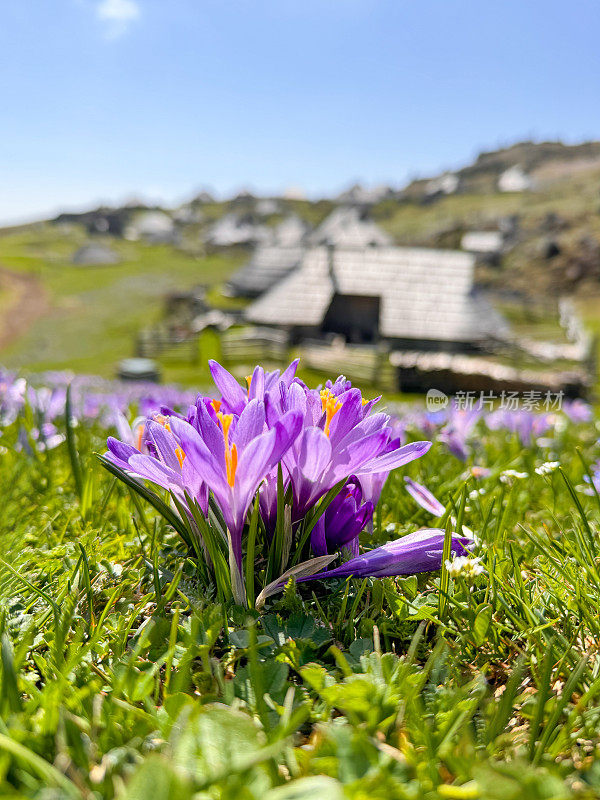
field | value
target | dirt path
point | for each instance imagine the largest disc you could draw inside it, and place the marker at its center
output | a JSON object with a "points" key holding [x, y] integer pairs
{"points": [[23, 299]]}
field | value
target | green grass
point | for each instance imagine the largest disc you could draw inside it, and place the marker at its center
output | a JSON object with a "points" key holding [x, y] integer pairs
{"points": [[121, 676]]}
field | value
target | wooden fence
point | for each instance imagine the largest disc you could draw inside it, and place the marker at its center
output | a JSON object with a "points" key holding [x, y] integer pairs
{"points": [[359, 363], [254, 345]]}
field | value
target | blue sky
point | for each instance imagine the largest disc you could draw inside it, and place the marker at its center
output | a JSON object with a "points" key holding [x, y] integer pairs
{"points": [[106, 99]]}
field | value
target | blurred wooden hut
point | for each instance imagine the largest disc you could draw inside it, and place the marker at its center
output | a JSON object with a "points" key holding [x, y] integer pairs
{"points": [[398, 295], [347, 303]]}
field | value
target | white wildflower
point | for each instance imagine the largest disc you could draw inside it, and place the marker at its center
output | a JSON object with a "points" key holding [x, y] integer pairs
{"points": [[464, 567], [512, 474], [547, 467]]}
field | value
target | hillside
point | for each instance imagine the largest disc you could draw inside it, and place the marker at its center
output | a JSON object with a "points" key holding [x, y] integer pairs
{"points": [[543, 161], [537, 159], [59, 311]]}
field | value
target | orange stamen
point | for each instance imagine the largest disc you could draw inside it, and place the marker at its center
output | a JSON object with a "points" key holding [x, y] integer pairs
{"points": [[216, 404], [225, 420], [164, 421], [231, 455], [331, 406], [180, 455], [231, 460], [249, 382]]}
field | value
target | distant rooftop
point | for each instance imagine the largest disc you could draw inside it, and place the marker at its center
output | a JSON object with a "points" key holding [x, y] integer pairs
{"points": [[362, 195], [235, 229], [268, 265], [347, 227]]}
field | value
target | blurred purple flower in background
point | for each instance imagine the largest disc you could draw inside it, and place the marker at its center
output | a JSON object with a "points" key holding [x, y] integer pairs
{"points": [[525, 423], [459, 425], [578, 410]]}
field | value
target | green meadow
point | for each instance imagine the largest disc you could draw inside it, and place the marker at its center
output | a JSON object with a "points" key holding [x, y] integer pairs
{"points": [[92, 315], [122, 676]]}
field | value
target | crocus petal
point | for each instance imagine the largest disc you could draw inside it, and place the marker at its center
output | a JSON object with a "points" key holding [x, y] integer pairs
{"points": [[194, 485], [250, 424], [151, 469], [230, 389], [352, 458], [343, 531], [424, 497], [295, 398], [256, 389], [271, 379], [314, 453], [287, 429], [123, 427], [347, 417], [121, 451], [288, 375], [253, 465], [208, 466], [421, 551], [165, 444], [210, 431], [318, 541], [397, 458]]}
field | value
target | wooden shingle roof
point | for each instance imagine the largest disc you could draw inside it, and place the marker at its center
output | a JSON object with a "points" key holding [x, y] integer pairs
{"points": [[425, 294], [267, 266]]}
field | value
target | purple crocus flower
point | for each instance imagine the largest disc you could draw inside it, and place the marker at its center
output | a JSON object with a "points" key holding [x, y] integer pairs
{"points": [[163, 461], [13, 391], [421, 551], [233, 455], [234, 447], [131, 434], [339, 437], [424, 497], [343, 520], [595, 471], [45, 438]]}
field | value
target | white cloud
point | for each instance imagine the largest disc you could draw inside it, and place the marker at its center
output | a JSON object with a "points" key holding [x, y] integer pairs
{"points": [[117, 15]]}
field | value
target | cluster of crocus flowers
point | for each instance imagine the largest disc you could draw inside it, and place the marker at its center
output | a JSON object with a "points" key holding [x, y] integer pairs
{"points": [[311, 463]]}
